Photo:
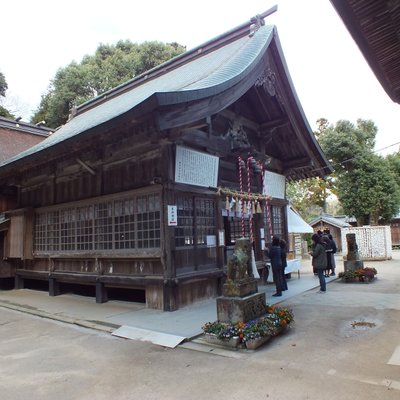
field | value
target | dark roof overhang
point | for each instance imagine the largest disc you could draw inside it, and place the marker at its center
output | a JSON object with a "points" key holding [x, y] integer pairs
{"points": [[375, 27]]}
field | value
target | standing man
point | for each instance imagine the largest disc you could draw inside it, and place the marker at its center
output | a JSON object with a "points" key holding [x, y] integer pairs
{"points": [[275, 255]]}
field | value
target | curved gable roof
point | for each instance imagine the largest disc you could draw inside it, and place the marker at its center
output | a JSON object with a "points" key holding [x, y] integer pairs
{"points": [[225, 62], [211, 70]]}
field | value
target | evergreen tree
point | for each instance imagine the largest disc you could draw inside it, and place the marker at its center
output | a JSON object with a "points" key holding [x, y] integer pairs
{"points": [[110, 66]]}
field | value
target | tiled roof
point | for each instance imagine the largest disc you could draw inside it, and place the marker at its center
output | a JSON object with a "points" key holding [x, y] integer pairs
{"points": [[339, 221], [209, 73]]}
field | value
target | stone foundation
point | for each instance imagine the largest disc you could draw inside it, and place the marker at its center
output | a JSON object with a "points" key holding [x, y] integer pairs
{"points": [[235, 309]]}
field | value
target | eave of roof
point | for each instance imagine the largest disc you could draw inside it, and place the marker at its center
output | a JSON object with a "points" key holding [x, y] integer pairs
{"points": [[25, 127], [205, 71], [375, 27], [334, 221]]}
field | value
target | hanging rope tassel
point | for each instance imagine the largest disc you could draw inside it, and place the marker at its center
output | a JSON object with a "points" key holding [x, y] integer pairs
{"points": [[251, 205], [250, 201], [240, 164]]}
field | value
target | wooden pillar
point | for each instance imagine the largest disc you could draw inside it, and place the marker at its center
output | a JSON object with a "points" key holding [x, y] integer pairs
{"points": [[171, 293], [101, 293], [19, 282], [54, 287]]}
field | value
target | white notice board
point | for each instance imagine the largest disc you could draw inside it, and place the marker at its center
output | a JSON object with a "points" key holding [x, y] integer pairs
{"points": [[274, 185], [196, 168]]}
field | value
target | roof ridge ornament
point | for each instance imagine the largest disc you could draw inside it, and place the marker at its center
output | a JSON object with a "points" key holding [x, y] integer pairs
{"points": [[258, 21]]}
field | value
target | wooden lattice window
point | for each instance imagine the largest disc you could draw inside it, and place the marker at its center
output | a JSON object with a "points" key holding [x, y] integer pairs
{"points": [[53, 231], [133, 222], [40, 232], [184, 232], [84, 228], [67, 229], [277, 221], [236, 228], [124, 222], [148, 221], [103, 226], [196, 221], [274, 221], [205, 220]]}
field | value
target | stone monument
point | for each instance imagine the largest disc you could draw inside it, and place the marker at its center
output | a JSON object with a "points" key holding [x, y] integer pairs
{"points": [[240, 300], [353, 260]]}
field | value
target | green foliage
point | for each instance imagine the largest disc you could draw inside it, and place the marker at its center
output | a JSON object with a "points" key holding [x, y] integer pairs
{"points": [[5, 113], [308, 196], [370, 190], [3, 85], [367, 184], [110, 66], [3, 88], [344, 143], [394, 165]]}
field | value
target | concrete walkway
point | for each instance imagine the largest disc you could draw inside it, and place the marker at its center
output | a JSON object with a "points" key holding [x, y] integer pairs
{"points": [[135, 321], [344, 344], [184, 323]]}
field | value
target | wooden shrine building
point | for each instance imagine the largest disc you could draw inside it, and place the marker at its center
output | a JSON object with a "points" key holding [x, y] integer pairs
{"points": [[148, 186]]}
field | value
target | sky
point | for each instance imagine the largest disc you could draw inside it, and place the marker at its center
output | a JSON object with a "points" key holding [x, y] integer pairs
{"points": [[329, 73]]}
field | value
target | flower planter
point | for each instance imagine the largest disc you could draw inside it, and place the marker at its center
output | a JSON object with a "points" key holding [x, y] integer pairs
{"points": [[253, 344], [213, 339], [357, 280]]}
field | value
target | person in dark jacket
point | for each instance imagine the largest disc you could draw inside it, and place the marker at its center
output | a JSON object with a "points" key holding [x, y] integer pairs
{"points": [[328, 250], [282, 243], [275, 255], [319, 260], [334, 250]]}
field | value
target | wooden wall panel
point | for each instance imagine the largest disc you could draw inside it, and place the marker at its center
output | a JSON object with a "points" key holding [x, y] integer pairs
{"points": [[14, 243]]}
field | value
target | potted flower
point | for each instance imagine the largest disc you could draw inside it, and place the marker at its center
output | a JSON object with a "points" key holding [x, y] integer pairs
{"points": [[359, 275], [252, 333], [366, 274], [221, 333]]}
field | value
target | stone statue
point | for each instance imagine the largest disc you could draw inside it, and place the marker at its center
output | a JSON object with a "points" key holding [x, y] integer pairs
{"points": [[352, 248], [353, 260], [239, 265], [240, 300]]}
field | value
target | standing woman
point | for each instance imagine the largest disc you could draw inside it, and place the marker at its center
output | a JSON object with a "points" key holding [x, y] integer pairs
{"points": [[282, 243], [319, 260], [275, 255]]}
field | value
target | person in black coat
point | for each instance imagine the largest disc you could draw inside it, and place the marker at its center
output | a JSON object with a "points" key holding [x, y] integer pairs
{"points": [[334, 250], [282, 243], [275, 256]]}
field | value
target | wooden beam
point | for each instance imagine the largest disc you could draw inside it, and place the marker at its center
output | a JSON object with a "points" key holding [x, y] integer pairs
{"points": [[85, 166], [298, 163]]}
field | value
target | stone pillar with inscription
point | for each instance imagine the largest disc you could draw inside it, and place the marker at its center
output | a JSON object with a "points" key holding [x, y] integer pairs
{"points": [[240, 300], [353, 260]]}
